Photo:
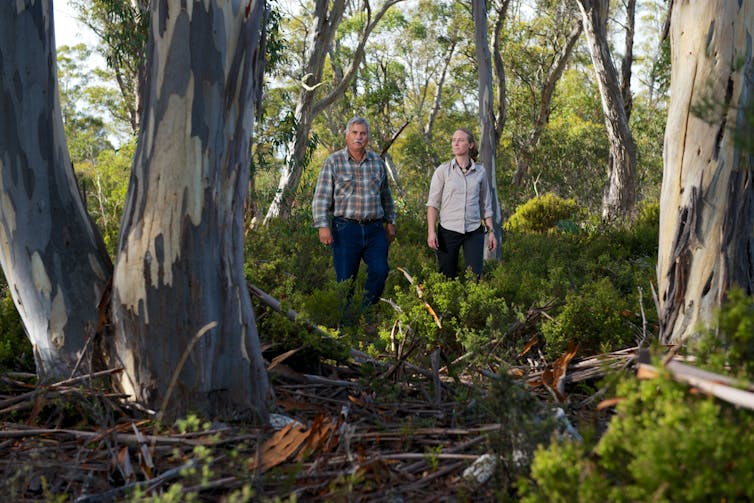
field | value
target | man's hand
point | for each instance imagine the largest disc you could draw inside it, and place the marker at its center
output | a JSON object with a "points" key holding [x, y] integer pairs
{"points": [[492, 244], [390, 231], [325, 236]]}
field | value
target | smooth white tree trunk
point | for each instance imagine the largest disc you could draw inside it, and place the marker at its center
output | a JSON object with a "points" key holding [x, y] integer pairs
{"points": [[52, 255], [488, 138]]}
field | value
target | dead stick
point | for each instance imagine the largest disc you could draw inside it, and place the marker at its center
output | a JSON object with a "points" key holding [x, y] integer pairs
{"points": [[439, 473], [292, 315], [125, 438], [117, 494]]}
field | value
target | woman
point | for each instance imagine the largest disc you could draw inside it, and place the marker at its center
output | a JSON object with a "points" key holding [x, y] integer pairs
{"points": [[460, 195]]}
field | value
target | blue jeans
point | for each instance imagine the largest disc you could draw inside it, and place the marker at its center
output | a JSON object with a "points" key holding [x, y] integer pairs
{"points": [[449, 246], [352, 243]]}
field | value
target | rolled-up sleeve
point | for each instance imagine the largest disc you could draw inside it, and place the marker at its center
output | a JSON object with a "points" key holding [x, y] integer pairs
{"points": [[322, 203], [435, 189], [485, 197], [388, 204]]}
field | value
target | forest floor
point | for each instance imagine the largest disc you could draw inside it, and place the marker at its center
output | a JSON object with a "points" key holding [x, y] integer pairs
{"points": [[369, 429]]}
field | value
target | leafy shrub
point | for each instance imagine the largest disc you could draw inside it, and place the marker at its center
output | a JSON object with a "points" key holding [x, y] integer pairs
{"points": [[580, 276], [15, 349], [528, 424], [594, 317], [640, 238], [544, 213], [663, 444], [681, 446], [728, 346], [471, 313]]}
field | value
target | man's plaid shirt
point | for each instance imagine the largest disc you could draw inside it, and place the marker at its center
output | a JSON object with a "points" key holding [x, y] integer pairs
{"points": [[351, 189]]}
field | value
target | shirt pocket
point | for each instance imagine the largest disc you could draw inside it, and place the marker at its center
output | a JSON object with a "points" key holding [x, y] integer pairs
{"points": [[374, 181], [344, 187]]}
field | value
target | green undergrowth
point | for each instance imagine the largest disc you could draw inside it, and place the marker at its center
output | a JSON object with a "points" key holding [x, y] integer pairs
{"points": [[15, 349], [589, 281], [664, 442]]}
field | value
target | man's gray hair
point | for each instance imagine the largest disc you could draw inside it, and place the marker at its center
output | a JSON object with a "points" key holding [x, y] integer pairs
{"points": [[358, 120]]}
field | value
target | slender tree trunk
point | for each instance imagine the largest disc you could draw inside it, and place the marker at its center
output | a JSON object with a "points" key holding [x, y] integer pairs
{"points": [[181, 307], [628, 58], [707, 202], [52, 255], [429, 126], [307, 109], [619, 198], [488, 138], [498, 65], [526, 151]]}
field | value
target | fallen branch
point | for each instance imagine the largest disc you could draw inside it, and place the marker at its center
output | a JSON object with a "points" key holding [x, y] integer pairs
{"points": [[717, 385], [292, 315], [148, 485], [126, 438]]}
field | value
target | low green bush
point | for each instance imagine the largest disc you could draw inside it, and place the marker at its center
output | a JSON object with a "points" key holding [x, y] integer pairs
{"points": [[597, 317], [470, 313], [15, 349], [663, 444], [544, 213], [528, 422], [728, 345]]}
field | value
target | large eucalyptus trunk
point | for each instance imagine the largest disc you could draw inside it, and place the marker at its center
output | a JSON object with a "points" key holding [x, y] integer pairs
{"points": [[52, 255], [707, 202], [619, 198], [179, 286], [488, 138]]}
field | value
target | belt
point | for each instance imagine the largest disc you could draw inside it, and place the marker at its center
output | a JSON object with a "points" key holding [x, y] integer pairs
{"points": [[361, 221]]}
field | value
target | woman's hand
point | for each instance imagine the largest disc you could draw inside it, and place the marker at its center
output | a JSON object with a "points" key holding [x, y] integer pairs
{"points": [[432, 240]]}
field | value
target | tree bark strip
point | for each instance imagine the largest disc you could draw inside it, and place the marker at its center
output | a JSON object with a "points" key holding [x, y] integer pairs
{"points": [[488, 136]]}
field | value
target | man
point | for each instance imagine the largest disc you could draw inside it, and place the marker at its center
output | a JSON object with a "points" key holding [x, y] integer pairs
{"points": [[353, 191]]}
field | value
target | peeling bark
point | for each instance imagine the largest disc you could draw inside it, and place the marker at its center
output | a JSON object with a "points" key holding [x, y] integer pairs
{"points": [[706, 240], [53, 257], [180, 257]]}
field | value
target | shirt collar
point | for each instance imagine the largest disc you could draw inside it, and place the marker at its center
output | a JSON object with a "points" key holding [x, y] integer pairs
{"points": [[454, 164], [349, 156]]}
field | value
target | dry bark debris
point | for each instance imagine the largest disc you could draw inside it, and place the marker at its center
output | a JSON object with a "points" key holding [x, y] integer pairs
{"points": [[348, 438]]}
